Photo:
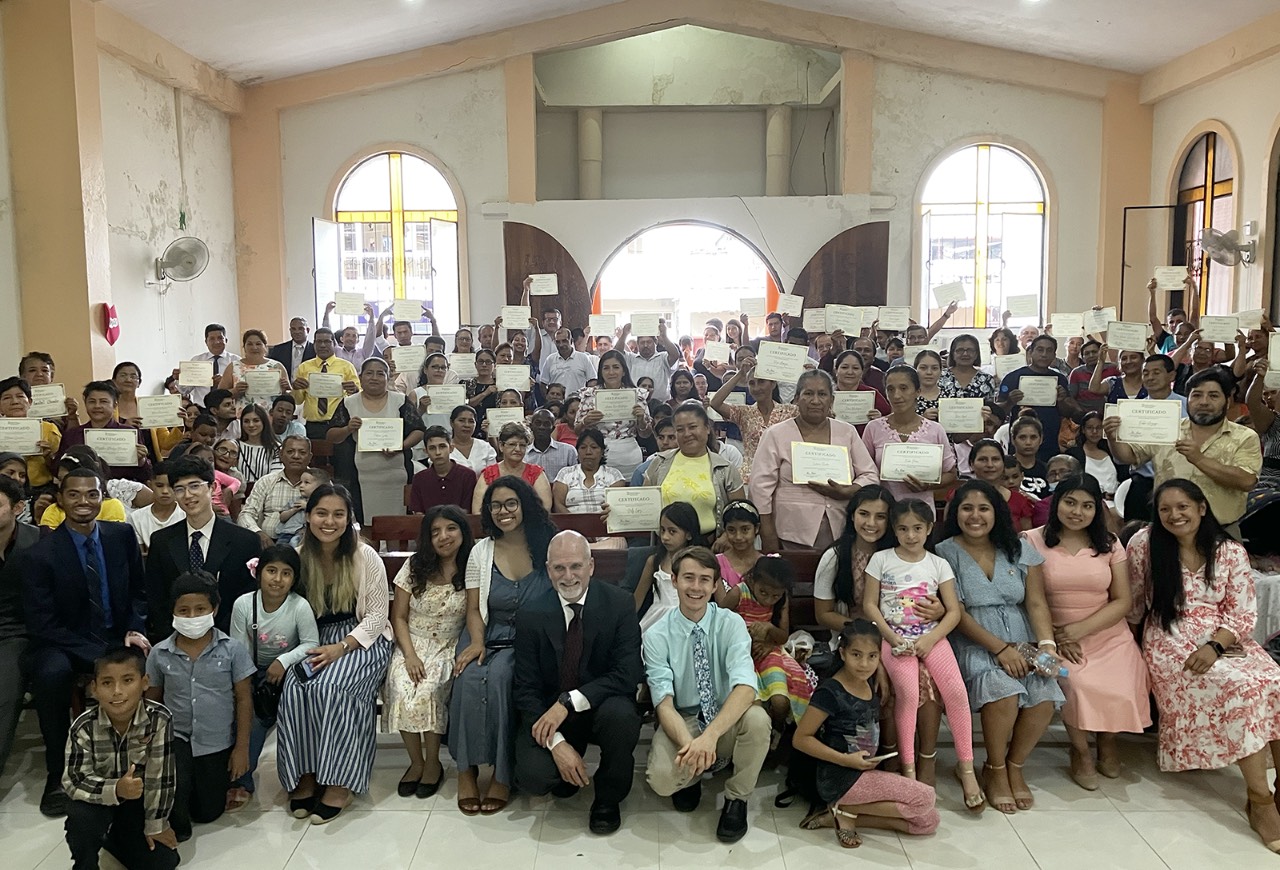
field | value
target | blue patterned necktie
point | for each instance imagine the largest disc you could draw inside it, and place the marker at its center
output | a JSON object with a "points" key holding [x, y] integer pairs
{"points": [[196, 555], [99, 592], [710, 707]]}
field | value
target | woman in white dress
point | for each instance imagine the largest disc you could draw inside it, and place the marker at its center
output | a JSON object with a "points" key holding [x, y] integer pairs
{"points": [[254, 345], [475, 453]]}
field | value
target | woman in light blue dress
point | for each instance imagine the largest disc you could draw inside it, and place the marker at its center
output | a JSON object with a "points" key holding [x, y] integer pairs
{"points": [[999, 583]]}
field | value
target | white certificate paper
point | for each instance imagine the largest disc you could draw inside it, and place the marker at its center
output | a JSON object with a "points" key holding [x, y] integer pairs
{"points": [[325, 385], [790, 305], [846, 318], [1219, 329], [1009, 362], [1170, 277], [1148, 421], [160, 411], [602, 324], [752, 306], [852, 406], [380, 433], [1110, 410], [815, 320], [1065, 324], [263, 383], [409, 357], [348, 304], [644, 323], [780, 362], [616, 405], [894, 318], [446, 397], [1250, 318], [911, 351], [1095, 321], [499, 417], [1127, 336], [1038, 391], [1273, 352], [716, 351], [407, 309], [921, 461], [512, 377], [195, 373], [945, 294], [960, 416], [117, 447], [48, 400], [819, 463], [1027, 305], [18, 435], [515, 316], [463, 365], [546, 284], [633, 508]]}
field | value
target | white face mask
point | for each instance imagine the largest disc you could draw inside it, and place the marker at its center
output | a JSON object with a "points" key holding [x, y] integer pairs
{"points": [[193, 627]]}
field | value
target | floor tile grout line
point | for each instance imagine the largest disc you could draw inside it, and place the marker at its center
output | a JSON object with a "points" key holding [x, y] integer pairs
{"points": [[1148, 843]]}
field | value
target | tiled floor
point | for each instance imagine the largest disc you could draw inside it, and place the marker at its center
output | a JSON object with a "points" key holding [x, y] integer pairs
{"points": [[1143, 820]]}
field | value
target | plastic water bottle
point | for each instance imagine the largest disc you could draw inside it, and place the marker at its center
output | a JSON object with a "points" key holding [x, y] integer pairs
{"points": [[1044, 663]]}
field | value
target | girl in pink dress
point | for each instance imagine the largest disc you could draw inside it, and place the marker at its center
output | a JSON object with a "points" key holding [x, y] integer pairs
{"points": [[1087, 586], [741, 526]]}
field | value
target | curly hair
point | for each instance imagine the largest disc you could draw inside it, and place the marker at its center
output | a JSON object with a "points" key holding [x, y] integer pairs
{"points": [[536, 522], [425, 562]]}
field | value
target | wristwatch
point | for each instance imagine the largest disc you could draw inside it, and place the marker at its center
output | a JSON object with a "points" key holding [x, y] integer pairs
{"points": [[1216, 647], [567, 700]]}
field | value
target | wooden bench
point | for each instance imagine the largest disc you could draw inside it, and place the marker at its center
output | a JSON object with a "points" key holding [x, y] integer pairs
{"points": [[321, 452], [401, 532]]}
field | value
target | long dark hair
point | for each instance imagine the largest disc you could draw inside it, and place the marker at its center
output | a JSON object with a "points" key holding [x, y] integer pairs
{"points": [[845, 545], [1003, 535], [622, 361], [536, 522], [268, 435], [1168, 596], [1099, 538], [778, 571], [425, 562], [684, 516], [287, 556]]}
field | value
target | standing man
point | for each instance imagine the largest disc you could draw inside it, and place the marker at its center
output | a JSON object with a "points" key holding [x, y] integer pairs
{"points": [[277, 491], [774, 329], [577, 668], [215, 342], [297, 350], [703, 684], [83, 592], [649, 361], [317, 411], [567, 366], [1042, 353], [15, 539], [545, 451]]}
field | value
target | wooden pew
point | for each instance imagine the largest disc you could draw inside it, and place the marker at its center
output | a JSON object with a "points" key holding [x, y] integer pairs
{"points": [[401, 532]]}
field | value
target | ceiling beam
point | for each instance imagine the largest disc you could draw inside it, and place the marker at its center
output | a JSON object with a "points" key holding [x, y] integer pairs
{"points": [[1248, 45]]}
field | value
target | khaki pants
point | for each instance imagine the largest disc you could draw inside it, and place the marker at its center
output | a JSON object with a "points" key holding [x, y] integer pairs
{"points": [[747, 743]]}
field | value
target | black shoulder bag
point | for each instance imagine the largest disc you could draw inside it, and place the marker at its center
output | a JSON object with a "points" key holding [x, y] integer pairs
{"points": [[266, 694]]}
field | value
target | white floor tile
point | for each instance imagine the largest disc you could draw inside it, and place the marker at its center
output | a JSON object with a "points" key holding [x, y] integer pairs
{"points": [[346, 841], [565, 841], [1065, 840], [807, 850], [25, 842], [262, 840], [1196, 840], [689, 841], [507, 840], [961, 841]]}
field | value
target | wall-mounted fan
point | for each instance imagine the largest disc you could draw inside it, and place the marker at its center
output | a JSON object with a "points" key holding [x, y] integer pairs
{"points": [[1226, 248], [183, 260]]}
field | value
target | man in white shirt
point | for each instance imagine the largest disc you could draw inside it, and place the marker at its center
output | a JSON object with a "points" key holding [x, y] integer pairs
{"points": [[649, 362], [550, 325], [215, 340], [567, 366]]}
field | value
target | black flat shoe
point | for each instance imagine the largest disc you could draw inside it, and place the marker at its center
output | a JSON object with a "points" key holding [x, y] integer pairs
{"points": [[300, 808], [323, 814], [605, 818], [407, 787], [687, 799], [733, 821], [54, 801], [427, 789]]}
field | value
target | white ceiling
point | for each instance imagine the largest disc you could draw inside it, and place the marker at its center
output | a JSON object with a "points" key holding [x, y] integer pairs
{"points": [[252, 39]]}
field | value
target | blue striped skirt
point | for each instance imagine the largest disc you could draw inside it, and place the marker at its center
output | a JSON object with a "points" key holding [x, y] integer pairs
{"points": [[328, 725]]}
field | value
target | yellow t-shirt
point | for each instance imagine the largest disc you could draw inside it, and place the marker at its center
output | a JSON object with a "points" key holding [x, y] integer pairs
{"points": [[112, 510], [689, 480], [38, 473], [310, 404]]}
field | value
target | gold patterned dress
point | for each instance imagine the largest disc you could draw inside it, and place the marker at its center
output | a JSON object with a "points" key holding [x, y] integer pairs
{"points": [[436, 619]]}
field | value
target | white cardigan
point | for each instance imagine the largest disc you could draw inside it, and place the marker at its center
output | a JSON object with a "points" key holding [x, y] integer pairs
{"points": [[480, 573]]}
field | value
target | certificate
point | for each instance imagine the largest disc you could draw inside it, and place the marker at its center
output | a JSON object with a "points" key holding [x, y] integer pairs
{"points": [[752, 306], [463, 365], [894, 318], [780, 362], [633, 508], [1148, 421], [512, 377], [49, 400], [1066, 325], [616, 405], [380, 433], [716, 351], [602, 324], [1096, 319], [446, 397], [515, 316], [407, 309], [499, 417], [1272, 381], [921, 461], [911, 351], [325, 385], [159, 412], [195, 373], [409, 357], [18, 435], [546, 284], [961, 416], [1027, 305], [1127, 336], [852, 406], [117, 447], [1110, 410], [348, 304], [819, 463], [945, 294], [845, 318], [790, 305], [1008, 362], [815, 320], [1219, 329], [263, 383], [644, 323], [1273, 353], [1250, 319], [1038, 391], [1170, 277]]}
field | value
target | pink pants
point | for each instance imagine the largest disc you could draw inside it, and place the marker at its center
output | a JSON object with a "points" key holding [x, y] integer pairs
{"points": [[904, 673], [914, 800]]}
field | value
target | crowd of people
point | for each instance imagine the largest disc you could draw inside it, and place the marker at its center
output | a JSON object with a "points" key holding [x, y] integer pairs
{"points": [[165, 613]]}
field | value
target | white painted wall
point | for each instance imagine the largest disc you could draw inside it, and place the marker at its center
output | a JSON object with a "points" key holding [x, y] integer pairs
{"points": [[10, 298], [695, 153], [146, 169], [460, 119]]}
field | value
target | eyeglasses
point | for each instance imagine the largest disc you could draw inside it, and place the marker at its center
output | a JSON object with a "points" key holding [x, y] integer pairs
{"points": [[128, 376], [226, 451], [509, 506], [192, 487]]}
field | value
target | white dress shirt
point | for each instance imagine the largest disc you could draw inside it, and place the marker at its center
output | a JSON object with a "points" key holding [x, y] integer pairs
{"points": [[573, 371], [224, 359], [206, 532], [657, 367], [298, 351]]}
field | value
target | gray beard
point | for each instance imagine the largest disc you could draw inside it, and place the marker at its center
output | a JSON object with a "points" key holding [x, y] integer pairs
{"points": [[1207, 419]]}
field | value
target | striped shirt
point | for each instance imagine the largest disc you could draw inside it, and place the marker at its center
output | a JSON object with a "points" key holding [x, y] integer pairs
{"points": [[98, 756], [583, 499], [271, 495]]}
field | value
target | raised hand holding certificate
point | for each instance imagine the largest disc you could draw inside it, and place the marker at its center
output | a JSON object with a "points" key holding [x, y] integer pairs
{"points": [[1273, 353], [815, 320], [1008, 362], [1065, 325], [616, 405], [843, 317], [1149, 421], [546, 284], [921, 461], [117, 447], [599, 324], [644, 324], [20, 436], [48, 400], [852, 406], [515, 316], [752, 306], [780, 362], [1170, 277], [446, 397], [1027, 305], [1096, 320], [894, 318], [819, 463], [511, 377], [160, 412], [263, 383], [325, 385], [407, 309], [633, 508], [960, 416], [1038, 391], [195, 373], [790, 305], [1127, 336], [348, 304], [1219, 329], [716, 351], [380, 433], [945, 294]]}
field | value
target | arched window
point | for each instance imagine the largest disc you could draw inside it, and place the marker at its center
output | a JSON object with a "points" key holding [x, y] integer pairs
{"points": [[983, 224], [1206, 198], [399, 223]]}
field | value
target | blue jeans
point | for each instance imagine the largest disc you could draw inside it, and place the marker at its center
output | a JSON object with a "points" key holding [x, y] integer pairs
{"points": [[257, 739]]}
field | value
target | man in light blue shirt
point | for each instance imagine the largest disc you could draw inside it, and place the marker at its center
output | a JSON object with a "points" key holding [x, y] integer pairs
{"points": [[703, 685]]}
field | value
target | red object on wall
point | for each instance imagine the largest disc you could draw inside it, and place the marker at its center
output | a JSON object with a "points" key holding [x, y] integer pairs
{"points": [[110, 323]]}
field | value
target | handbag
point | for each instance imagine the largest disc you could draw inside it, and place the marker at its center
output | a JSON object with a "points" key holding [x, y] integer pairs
{"points": [[266, 695]]}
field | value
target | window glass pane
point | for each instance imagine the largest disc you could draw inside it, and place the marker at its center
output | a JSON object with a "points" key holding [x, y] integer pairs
{"points": [[948, 257], [1224, 163], [366, 260], [1220, 277], [1015, 262], [1193, 166], [955, 179], [1012, 178], [425, 189], [368, 187]]}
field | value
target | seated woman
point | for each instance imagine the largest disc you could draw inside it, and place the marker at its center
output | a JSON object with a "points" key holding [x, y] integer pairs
{"points": [[988, 461], [475, 453], [1217, 691], [513, 441], [1094, 453], [907, 425], [579, 489], [693, 473]]}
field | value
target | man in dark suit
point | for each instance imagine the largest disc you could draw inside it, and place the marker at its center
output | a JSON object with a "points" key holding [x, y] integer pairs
{"points": [[577, 666], [83, 591], [204, 541], [297, 350]]}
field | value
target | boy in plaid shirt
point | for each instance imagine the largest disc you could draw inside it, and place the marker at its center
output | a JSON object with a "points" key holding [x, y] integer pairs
{"points": [[120, 773]]}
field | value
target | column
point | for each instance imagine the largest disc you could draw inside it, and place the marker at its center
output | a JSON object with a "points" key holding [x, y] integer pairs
{"points": [[857, 101], [590, 154], [777, 150]]}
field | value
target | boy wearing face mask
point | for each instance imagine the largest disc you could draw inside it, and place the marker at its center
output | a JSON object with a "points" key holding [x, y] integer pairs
{"points": [[203, 677]]}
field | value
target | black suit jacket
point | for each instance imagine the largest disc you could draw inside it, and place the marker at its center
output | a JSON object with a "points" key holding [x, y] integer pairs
{"points": [[55, 590], [610, 648], [283, 354], [230, 548]]}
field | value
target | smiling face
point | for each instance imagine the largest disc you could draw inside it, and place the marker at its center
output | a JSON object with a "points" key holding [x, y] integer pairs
{"points": [[1027, 335], [226, 455], [250, 425], [463, 341], [216, 342], [275, 579], [871, 520], [912, 531], [1179, 513], [849, 372], [1093, 431], [255, 348], [1131, 363], [329, 519], [504, 506], [298, 330], [695, 584], [977, 516], [100, 406], [564, 342], [446, 538], [373, 380], [520, 345], [569, 565], [1076, 510], [80, 499], [861, 657], [127, 379], [611, 372], [691, 433], [118, 688], [349, 337], [194, 496], [741, 535]]}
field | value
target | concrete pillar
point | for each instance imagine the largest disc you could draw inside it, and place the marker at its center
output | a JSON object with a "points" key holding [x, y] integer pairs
{"points": [[590, 153], [777, 151]]}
